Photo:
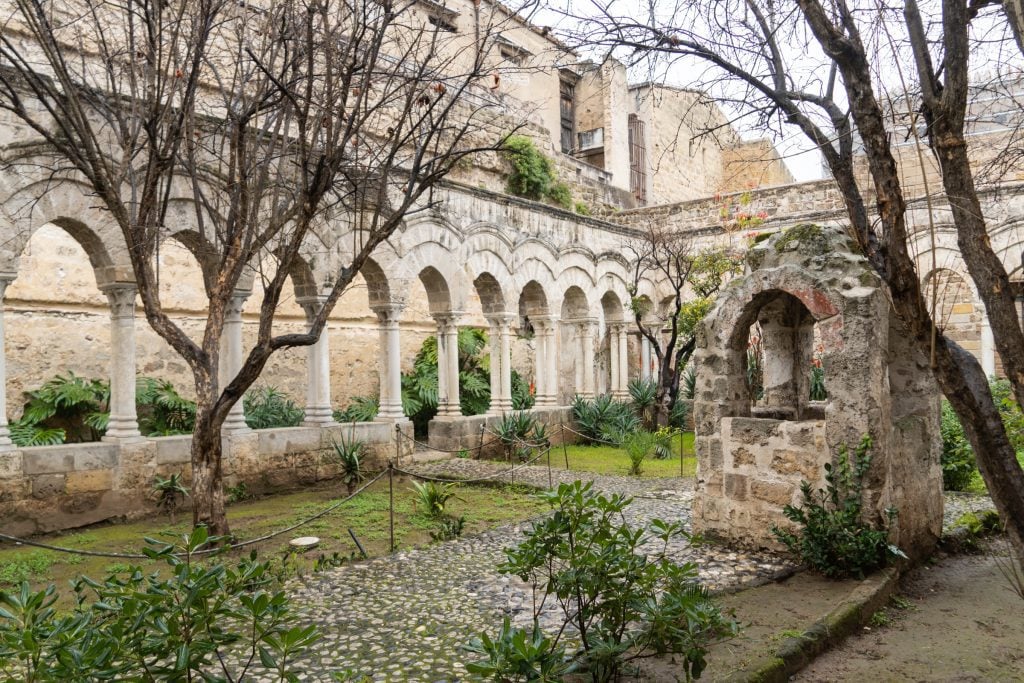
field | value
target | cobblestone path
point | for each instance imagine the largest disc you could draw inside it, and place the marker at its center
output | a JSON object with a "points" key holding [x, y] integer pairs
{"points": [[405, 617]]}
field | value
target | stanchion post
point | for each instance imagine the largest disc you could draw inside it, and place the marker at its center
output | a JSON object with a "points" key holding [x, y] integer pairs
{"points": [[565, 453], [480, 448], [549, 468], [391, 504], [680, 453], [398, 443]]}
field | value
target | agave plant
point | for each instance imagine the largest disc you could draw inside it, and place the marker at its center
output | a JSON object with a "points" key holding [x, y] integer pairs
{"points": [[514, 430], [690, 382], [349, 455], [168, 491], [644, 393], [604, 419], [433, 497]]}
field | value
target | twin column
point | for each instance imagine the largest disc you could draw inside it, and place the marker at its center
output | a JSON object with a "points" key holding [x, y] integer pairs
{"points": [[501, 363], [618, 359]]}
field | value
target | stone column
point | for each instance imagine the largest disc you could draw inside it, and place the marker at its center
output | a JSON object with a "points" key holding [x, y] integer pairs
{"points": [[448, 364], [124, 423], [988, 354], [613, 359], [5, 432], [501, 363], [318, 368], [547, 360], [586, 333], [623, 361], [231, 357], [780, 387], [390, 362]]}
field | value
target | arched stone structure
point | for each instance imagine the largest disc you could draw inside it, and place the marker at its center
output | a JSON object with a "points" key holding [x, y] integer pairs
{"points": [[751, 458]]}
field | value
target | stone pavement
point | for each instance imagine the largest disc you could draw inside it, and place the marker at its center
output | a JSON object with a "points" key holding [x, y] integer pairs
{"points": [[405, 617]]}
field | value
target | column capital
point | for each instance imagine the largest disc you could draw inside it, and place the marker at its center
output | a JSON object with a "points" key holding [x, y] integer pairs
{"points": [[6, 278], [500, 319], [233, 309], [311, 305], [121, 296], [447, 319], [389, 312]]}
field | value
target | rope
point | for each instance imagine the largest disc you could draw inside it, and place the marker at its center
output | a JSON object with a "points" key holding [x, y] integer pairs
{"points": [[139, 556], [445, 450], [426, 477], [590, 438]]}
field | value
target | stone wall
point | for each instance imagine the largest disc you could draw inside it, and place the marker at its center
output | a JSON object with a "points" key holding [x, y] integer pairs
{"points": [[53, 488]]}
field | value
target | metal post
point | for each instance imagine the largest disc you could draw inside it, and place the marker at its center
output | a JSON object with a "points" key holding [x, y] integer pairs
{"points": [[549, 468], [680, 454], [565, 453], [398, 443], [391, 503]]}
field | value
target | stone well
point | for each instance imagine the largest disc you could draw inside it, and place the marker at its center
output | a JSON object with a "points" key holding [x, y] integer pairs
{"points": [[808, 287]]}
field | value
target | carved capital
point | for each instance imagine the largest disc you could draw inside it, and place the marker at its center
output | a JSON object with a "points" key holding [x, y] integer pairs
{"points": [[233, 309], [447, 321], [388, 314], [122, 300], [311, 305]]}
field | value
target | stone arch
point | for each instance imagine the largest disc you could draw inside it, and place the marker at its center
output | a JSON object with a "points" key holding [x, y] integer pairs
{"points": [[532, 300], [953, 296], [439, 296], [439, 269], [612, 308], [492, 299], [574, 304]]}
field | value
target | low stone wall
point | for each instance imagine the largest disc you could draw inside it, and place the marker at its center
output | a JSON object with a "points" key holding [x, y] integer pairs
{"points": [[51, 488], [455, 433], [755, 466]]}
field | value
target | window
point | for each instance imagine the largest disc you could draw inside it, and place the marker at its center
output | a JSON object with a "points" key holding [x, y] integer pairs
{"points": [[512, 53], [443, 23], [567, 108], [637, 159]]}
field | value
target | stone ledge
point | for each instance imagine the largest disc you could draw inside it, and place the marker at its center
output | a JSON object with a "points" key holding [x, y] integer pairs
{"points": [[847, 617]]}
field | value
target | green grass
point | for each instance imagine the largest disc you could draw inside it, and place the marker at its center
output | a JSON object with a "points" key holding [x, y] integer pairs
{"points": [[367, 515], [602, 459]]}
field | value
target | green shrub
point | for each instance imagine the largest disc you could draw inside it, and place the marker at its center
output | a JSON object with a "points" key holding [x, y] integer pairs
{"points": [[268, 408], [690, 382], [66, 409], [239, 493], [533, 175], [644, 393], [168, 491], [187, 624], [513, 431], [522, 394], [162, 410], [581, 208], [818, 392], [616, 587], [959, 469], [833, 537], [361, 409], [604, 419], [448, 527], [27, 567]]}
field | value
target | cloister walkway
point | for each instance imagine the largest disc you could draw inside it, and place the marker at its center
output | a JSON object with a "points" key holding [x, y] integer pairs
{"points": [[405, 617]]}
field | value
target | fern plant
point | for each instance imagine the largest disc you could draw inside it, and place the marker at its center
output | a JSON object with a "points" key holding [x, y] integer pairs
{"points": [[361, 409], [66, 409], [162, 410]]}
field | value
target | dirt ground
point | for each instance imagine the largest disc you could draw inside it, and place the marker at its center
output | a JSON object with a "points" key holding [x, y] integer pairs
{"points": [[955, 620]]}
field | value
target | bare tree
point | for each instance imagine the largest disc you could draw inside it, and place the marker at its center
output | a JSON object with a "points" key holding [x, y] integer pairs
{"points": [[668, 258], [817, 65], [275, 121]]}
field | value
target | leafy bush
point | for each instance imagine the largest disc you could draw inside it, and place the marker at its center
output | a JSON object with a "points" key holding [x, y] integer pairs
{"points": [[617, 590], [958, 465], [516, 654], [268, 408], [361, 409], [239, 493], [26, 568], [664, 442], [203, 621], [448, 527], [514, 430], [818, 392], [833, 538], [522, 393], [959, 469], [677, 416], [162, 410], [604, 419], [690, 382], [434, 497], [533, 175], [66, 409]]}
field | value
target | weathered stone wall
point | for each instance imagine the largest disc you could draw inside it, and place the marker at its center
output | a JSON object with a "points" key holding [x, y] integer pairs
{"points": [[61, 487], [749, 467], [753, 164]]}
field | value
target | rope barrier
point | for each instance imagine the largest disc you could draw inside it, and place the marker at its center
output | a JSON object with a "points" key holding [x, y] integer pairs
{"points": [[446, 450], [442, 480], [233, 546]]}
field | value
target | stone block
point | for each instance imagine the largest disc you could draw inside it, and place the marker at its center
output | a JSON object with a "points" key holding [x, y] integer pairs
{"points": [[790, 462], [736, 486], [171, 450], [95, 456], [47, 461], [742, 456], [772, 492], [88, 481], [10, 464], [47, 485]]}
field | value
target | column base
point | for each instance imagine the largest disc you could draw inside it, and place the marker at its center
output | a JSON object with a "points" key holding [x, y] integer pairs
{"points": [[391, 412], [318, 416], [122, 429]]}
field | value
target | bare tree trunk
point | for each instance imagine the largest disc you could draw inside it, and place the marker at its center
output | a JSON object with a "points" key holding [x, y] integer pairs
{"points": [[208, 502]]}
